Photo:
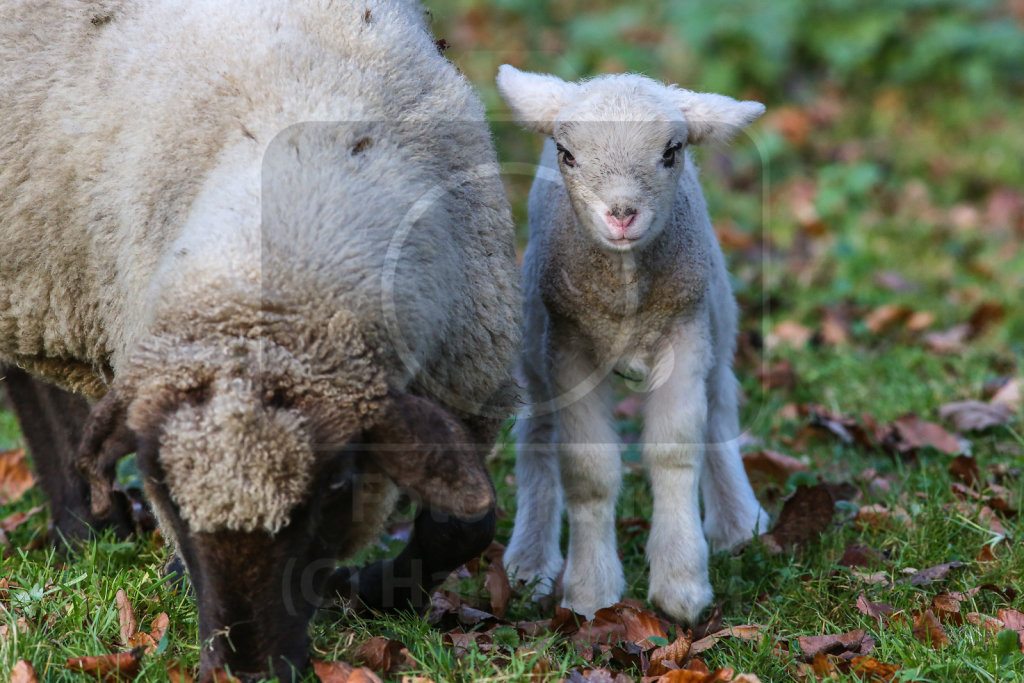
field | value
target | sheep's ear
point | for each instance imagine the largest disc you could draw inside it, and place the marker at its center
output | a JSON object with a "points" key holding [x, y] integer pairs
{"points": [[535, 99], [714, 118], [427, 450]]}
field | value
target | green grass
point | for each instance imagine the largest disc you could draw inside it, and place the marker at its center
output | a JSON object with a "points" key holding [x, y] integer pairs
{"points": [[915, 136]]}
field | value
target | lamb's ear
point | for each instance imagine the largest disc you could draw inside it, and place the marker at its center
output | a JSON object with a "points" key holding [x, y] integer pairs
{"points": [[714, 118], [535, 99]]}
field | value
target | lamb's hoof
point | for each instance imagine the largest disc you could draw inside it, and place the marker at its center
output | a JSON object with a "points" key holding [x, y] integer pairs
{"points": [[724, 537], [588, 591], [539, 577], [681, 601]]}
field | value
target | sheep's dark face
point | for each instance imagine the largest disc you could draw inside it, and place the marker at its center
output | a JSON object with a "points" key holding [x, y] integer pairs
{"points": [[257, 588], [262, 482]]}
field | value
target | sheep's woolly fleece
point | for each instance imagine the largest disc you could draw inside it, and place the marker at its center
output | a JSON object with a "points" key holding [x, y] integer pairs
{"points": [[232, 463]]}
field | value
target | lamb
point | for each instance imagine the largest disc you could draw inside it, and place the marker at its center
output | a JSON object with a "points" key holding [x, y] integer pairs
{"points": [[269, 243], [623, 274]]}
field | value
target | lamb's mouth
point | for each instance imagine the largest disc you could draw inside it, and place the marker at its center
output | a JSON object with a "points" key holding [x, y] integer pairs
{"points": [[623, 242]]}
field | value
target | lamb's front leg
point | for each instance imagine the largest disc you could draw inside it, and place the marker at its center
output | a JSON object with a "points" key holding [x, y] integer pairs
{"points": [[675, 421], [591, 474]]}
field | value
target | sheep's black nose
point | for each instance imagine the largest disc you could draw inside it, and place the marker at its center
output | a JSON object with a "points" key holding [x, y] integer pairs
{"points": [[620, 212]]}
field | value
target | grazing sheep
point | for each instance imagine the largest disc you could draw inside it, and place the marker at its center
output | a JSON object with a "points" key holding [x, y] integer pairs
{"points": [[283, 318], [623, 274]]}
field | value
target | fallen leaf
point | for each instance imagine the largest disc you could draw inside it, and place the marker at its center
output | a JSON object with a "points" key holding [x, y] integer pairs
{"points": [[1009, 394], [772, 463], [831, 643], [948, 341], [931, 574], [965, 468], [177, 673], [158, 626], [496, 583], [920, 321], [976, 416], [779, 375], [125, 617], [986, 314], [878, 610], [886, 317], [860, 556], [15, 520], [15, 476], [986, 554], [23, 672], [805, 516], [621, 623], [878, 516], [990, 624], [791, 333], [1012, 619], [918, 433], [745, 632], [340, 672], [928, 630], [674, 653], [383, 655], [823, 666], [873, 669], [220, 675], [122, 663]]}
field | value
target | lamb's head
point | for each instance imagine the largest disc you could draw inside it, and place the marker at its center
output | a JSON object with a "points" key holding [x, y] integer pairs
{"points": [[621, 143], [263, 471]]}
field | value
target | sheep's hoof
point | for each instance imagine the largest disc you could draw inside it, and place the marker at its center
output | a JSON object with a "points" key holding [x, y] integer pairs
{"points": [[177, 574], [723, 537], [681, 601]]}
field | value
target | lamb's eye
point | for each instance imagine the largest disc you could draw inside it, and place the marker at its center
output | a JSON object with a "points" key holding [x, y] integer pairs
{"points": [[567, 158], [669, 157]]}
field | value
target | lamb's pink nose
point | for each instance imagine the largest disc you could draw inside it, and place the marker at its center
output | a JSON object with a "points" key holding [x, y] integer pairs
{"points": [[619, 217]]}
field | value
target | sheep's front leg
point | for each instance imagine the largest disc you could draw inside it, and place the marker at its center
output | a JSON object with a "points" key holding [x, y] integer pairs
{"points": [[731, 511], [675, 421], [591, 472]]}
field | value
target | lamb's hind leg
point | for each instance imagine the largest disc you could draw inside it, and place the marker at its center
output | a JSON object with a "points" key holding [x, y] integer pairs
{"points": [[731, 511], [675, 421], [533, 556]]}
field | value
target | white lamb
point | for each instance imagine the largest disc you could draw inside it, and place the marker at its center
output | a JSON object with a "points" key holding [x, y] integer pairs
{"points": [[623, 274]]}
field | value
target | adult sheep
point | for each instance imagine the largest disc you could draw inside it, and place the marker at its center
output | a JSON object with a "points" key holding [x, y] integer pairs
{"points": [[273, 314]]}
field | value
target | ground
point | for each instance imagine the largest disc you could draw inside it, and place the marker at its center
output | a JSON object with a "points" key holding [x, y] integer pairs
{"points": [[874, 224]]}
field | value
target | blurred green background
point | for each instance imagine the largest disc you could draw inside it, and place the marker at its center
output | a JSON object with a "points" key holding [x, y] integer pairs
{"points": [[888, 169]]}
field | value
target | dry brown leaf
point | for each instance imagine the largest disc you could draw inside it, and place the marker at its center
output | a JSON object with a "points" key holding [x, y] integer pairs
{"points": [[928, 630], [15, 520], [878, 610], [886, 317], [674, 653], [23, 672], [780, 375], [831, 643], [986, 554], [745, 632], [776, 465], [621, 623], [986, 314], [990, 624], [948, 341], [1012, 619], [931, 574], [158, 626], [496, 583], [383, 655], [873, 669], [125, 617], [860, 556], [878, 516], [220, 675], [918, 433], [823, 666], [976, 416], [920, 321], [804, 517], [1009, 394], [15, 476], [340, 672], [121, 663], [177, 673], [965, 468], [791, 333]]}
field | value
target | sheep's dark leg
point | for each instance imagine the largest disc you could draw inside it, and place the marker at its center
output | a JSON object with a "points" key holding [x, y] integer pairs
{"points": [[51, 421], [439, 544]]}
